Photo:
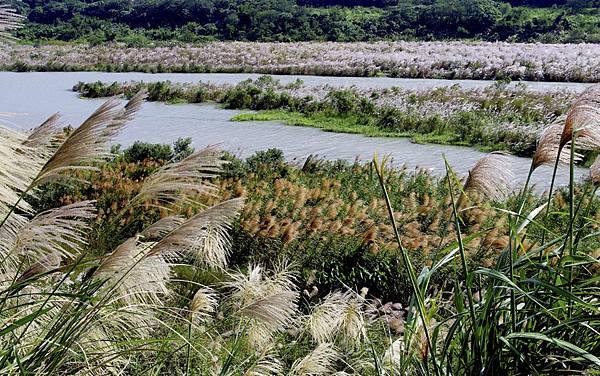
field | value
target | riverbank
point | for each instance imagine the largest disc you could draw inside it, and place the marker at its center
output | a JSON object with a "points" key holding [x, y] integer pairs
{"points": [[447, 60], [491, 118]]}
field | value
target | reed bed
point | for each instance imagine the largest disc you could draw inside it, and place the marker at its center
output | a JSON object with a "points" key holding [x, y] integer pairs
{"points": [[496, 117], [158, 296], [448, 60]]}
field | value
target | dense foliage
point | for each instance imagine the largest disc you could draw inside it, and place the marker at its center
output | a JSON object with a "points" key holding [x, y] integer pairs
{"points": [[128, 271], [140, 22], [406, 59], [495, 118]]}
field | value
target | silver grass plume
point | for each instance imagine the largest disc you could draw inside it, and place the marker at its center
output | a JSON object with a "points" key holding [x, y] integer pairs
{"points": [[177, 182], [203, 237], [339, 315], [162, 227], [583, 121], [9, 233], [45, 264], [19, 165], [10, 21], [203, 304], [266, 365], [50, 237], [491, 176], [548, 146], [135, 276], [320, 361], [44, 135], [268, 303], [90, 143]]}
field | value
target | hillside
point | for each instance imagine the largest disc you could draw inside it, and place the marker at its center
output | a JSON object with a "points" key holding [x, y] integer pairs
{"points": [[150, 21]]}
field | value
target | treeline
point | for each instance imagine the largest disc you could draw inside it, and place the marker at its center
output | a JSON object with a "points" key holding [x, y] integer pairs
{"points": [[145, 21]]}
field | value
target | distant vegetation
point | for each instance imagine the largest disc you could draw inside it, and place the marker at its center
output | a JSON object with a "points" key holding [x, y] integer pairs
{"points": [[494, 118], [150, 21]]}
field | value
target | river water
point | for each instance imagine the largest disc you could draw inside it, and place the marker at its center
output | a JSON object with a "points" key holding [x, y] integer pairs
{"points": [[26, 99]]}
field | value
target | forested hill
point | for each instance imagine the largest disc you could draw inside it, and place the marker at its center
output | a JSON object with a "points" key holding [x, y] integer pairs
{"points": [[140, 22]]}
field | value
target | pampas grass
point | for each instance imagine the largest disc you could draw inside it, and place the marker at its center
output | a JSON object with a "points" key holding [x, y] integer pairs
{"points": [[583, 120], [491, 177], [64, 310], [321, 361], [89, 143], [548, 147]]}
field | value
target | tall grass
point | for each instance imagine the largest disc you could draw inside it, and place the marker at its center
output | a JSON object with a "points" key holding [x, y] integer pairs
{"points": [[63, 309], [537, 311], [164, 301]]}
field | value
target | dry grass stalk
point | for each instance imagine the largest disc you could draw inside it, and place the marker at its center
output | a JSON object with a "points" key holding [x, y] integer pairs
{"points": [[90, 143], [548, 147], [321, 361], [204, 236], [583, 120], [491, 176], [179, 181]]}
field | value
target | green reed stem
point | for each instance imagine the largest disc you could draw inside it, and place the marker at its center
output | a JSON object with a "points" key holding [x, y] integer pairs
{"points": [[571, 217], [407, 262], [463, 261], [550, 195]]}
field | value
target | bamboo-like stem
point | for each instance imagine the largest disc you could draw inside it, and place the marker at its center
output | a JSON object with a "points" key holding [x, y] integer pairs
{"points": [[571, 217], [463, 260], [549, 200], [189, 334], [407, 261]]}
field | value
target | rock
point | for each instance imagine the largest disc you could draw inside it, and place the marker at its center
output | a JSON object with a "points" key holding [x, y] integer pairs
{"points": [[396, 325], [386, 308], [397, 306]]}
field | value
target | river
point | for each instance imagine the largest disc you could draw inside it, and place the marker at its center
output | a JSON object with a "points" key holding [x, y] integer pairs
{"points": [[26, 99]]}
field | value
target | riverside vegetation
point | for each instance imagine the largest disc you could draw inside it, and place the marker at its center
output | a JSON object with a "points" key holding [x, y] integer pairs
{"points": [[494, 118], [119, 264], [448, 60]]}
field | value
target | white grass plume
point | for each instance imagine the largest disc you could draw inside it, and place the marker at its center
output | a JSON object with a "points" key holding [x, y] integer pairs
{"points": [[203, 303], [321, 361], [177, 182], [90, 143], [548, 146], [19, 165], [339, 316], [203, 237], [136, 276], [162, 227], [268, 303], [61, 231], [266, 365], [491, 176], [583, 121]]}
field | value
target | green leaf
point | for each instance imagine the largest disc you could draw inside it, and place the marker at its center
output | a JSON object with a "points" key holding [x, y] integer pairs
{"points": [[567, 346], [22, 321]]}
